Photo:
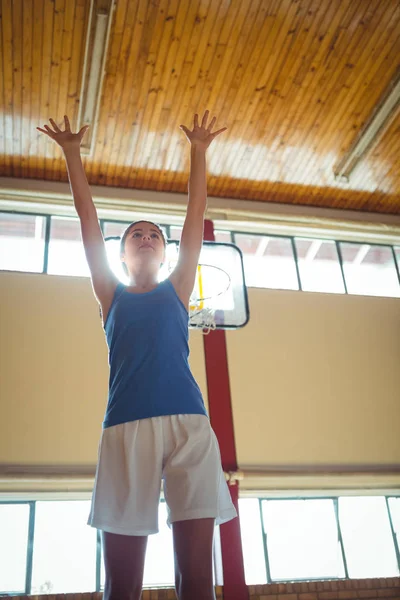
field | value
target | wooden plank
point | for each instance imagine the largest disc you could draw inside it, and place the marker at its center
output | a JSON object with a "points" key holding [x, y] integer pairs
{"points": [[292, 80], [272, 41], [35, 120], [176, 103], [55, 69], [155, 149], [348, 87], [339, 89], [163, 24], [27, 49], [3, 150], [217, 61], [201, 58], [168, 121], [44, 143], [287, 99], [141, 73], [17, 86]]}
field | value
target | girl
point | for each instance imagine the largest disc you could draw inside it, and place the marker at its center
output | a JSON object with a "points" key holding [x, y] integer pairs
{"points": [[156, 427]]}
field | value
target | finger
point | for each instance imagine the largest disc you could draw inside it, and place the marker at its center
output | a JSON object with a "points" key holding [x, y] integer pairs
{"points": [[185, 129], [213, 135], [211, 125], [205, 117], [42, 130], [83, 130], [196, 120], [67, 124], [56, 127]]}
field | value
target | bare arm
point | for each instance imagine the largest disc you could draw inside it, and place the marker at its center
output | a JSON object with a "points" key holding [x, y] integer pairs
{"points": [[103, 279], [184, 275]]}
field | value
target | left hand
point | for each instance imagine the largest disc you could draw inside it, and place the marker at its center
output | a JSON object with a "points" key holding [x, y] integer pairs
{"points": [[201, 136]]}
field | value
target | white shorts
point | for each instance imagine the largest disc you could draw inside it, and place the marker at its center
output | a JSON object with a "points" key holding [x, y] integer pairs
{"points": [[180, 450]]}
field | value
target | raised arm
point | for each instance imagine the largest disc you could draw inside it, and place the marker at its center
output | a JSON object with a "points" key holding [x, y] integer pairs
{"points": [[103, 279], [184, 275]]}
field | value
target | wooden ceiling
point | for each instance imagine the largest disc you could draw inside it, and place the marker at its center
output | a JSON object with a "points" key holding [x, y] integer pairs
{"points": [[295, 82]]}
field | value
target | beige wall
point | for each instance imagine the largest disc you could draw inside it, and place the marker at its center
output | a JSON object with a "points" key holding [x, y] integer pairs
{"points": [[315, 378], [54, 370]]}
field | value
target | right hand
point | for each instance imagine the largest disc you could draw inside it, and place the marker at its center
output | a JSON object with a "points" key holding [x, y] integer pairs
{"points": [[65, 139]]}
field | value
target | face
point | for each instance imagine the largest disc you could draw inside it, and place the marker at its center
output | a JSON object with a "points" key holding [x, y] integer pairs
{"points": [[144, 245]]}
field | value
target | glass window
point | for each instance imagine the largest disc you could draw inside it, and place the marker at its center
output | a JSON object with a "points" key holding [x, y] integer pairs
{"points": [[224, 237], [268, 261], [394, 507], [369, 270], [397, 255], [14, 527], [252, 541], [367, 537], [22, 241], [64, 557], [319, 266], [114, 229], [175, 233], [66, 251], [302, 539]]}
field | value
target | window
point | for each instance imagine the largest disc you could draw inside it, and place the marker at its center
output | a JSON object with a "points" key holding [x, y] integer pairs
{"points": [[367, 537], [66, 251], [175, 233], [64, 559], [252, 541], [283, 540], [268, 261], [302, 539], [114, 228], [14, 525], [397, 255], [223, 237], [370, 270], [22, 242], [319, 266]]}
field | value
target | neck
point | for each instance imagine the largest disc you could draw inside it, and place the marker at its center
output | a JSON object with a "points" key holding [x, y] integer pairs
{"points": [[143, 281]]}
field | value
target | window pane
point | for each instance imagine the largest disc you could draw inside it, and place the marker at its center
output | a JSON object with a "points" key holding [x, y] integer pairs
{"points": [[223, 237], [397, 255], [14, 526], [252, 541], [22, 242], [302, 539], [114, 229], [268, 261], [394, 507], [319, 266], [369, 270], [64, 558], [175, 233], [66, 251], [367, 538]]}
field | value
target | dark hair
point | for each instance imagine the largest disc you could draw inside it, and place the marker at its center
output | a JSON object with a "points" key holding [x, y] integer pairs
{"points": [[127, 230]]}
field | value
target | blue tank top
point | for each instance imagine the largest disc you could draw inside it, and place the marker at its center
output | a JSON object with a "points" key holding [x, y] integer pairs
{"points": [[148, 340]]}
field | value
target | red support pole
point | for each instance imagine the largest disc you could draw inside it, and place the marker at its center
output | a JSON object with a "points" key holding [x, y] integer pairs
{"points": [[221, 418]]}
